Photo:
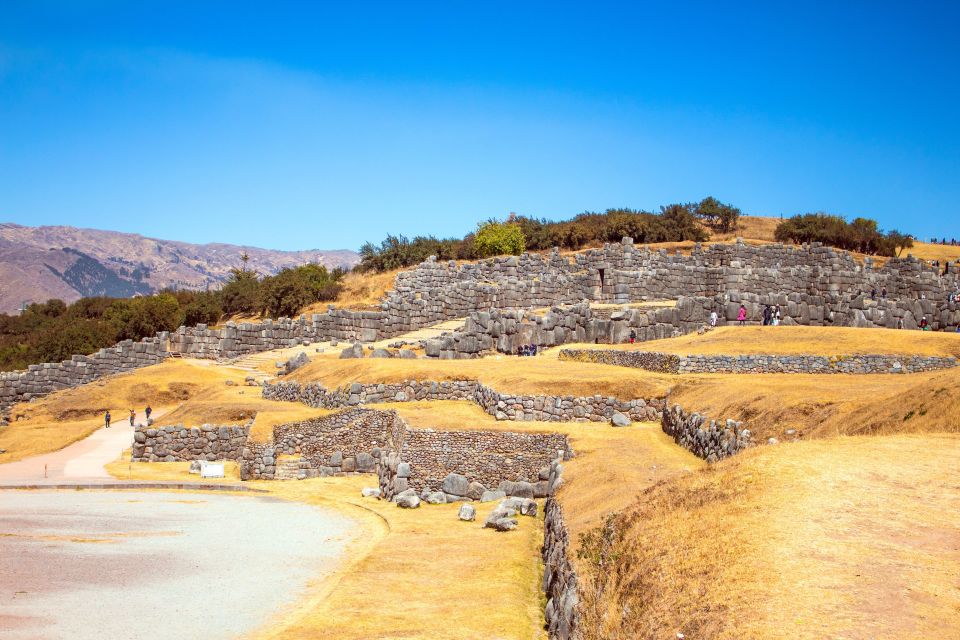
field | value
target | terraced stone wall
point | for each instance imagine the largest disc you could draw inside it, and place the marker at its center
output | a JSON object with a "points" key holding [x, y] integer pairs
{"points": [[40, 379], [559, 577], [705, 438], [177, 443], [709, 363], [500, 405], [346, 442]]}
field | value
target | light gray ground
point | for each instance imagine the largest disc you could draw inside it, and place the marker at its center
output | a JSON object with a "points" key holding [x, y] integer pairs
{"points": [[118, 564]]}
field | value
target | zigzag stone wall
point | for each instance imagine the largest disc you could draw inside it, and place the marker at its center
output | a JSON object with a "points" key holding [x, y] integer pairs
{"points": [[500, 405], [813, 284], [40, 379]]}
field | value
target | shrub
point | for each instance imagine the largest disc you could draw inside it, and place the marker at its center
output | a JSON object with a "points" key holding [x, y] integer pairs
{"points": [[862, 235], [499, 238]]}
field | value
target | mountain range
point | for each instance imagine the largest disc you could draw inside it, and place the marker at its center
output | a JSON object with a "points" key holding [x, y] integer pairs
{"points": [[39, 263]]}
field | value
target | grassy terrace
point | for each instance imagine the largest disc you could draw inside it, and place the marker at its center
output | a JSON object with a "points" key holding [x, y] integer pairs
{"points": [[851, 532]]}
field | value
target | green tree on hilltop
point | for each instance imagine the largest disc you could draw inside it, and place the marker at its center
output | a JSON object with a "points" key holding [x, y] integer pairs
{"points": [[495, 238]]}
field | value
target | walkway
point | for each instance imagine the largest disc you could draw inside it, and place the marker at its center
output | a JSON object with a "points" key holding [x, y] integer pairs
{"points": [[82, 460]]}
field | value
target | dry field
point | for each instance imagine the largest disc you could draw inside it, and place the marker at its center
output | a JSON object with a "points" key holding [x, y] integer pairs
{"points": [[854, 538]]}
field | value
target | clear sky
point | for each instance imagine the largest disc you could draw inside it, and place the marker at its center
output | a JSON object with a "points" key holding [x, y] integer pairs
{"points": [[291, 127]]}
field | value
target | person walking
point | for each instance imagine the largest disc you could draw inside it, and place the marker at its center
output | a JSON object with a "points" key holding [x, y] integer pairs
{"points": [[106, 418], [633, 336], [147, 413], [713, 318], [133, 416], [766, 314], [883, 293], [742, 314]]}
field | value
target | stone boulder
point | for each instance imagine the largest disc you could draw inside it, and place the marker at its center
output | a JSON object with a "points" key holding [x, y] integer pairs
{"points": [[475, 491], [356, 351], [370, 492], [406, 354], [467, 513], [295, 363], [619, 420], [381, 353], [408, 502], [436, 497], [456, 484], [492, 496]]}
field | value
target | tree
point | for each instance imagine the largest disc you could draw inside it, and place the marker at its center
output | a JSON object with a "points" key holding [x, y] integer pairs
{"points": [[900, 241], [240, 293], [718, 215], [499, 238]]}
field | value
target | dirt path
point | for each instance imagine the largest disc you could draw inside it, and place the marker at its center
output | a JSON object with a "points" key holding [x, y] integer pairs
{"points": [[82, 460]]}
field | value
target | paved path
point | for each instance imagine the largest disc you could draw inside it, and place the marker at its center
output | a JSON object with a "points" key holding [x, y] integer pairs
{"points": [[82, 460]]}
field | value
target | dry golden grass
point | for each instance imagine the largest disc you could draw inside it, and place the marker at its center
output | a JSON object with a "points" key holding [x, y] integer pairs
{"points": [[750, 228], [541, 375], [930, 251], [123, 469], [62, 418], [824, 406], [796, 340], [360, 291], [847, 538]]}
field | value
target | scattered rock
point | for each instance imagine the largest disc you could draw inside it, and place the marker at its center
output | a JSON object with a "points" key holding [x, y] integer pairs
{"points": [[467, 513], [620, 420], [492, 496], [436, 497], [408, 502], [381, 353], [195, 466], [356, 351], [456, 484]]}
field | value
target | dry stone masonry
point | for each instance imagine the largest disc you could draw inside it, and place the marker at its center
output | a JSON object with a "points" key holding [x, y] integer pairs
{"points": [[705, 438], [671, 363], [813, 285], [500, 405], [178, 443]]}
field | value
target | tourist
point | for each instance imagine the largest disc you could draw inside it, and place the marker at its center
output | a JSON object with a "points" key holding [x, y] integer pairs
{"points": [[899, 323], [776, 316], [133, 416], [713, 318], [106, 418], [767, 315], [873, 293], [633, 336], [147, 413], [533, 349], [742, 314], [924, 325], [883, 293]]}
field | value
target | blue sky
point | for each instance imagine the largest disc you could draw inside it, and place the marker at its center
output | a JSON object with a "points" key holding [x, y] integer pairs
{"points": [[295, 127]]}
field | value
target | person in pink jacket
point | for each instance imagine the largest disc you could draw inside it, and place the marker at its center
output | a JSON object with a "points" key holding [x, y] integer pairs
{"points": [[742, 314]]}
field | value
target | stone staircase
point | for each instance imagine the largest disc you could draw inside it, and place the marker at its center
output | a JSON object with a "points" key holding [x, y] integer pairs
{"points": [[288, 469]]}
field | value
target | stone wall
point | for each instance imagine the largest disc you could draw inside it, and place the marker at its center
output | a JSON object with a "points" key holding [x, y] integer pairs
{"points": [[705, 438], [486, 457], [711, 363], [502, 406], [178, 443], [621, 273], [40, 379], [559, 577], [813, 284], [345, 442]]}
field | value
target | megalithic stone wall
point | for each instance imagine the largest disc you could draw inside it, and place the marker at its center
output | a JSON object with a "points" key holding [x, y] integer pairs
{"points": [[40, 379], [813, 284]]}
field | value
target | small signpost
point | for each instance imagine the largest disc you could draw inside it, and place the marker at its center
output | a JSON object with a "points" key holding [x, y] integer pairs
{"points": [[211, 469]]}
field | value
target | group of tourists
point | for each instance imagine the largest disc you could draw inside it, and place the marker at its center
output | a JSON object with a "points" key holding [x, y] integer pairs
{"points": [[527, 350], [133, 416], [882, 292], [953, 241]]}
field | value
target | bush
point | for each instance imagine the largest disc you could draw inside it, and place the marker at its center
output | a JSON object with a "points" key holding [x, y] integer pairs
{"points": [[722, 217], [861, 235], [498, 238]]}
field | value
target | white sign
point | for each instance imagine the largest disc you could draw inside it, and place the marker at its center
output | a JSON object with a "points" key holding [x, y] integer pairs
{"points": [[211, 469]]}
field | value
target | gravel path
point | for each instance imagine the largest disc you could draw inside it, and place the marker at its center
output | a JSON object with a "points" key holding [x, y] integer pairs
{"points": [[95, 565]]}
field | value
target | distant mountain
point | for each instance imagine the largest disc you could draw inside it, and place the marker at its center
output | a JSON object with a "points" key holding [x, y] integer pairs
{"points": [[39, 263]]}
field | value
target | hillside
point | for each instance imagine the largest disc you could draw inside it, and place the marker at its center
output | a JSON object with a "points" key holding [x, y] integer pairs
{"points": [[39, 263]]}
